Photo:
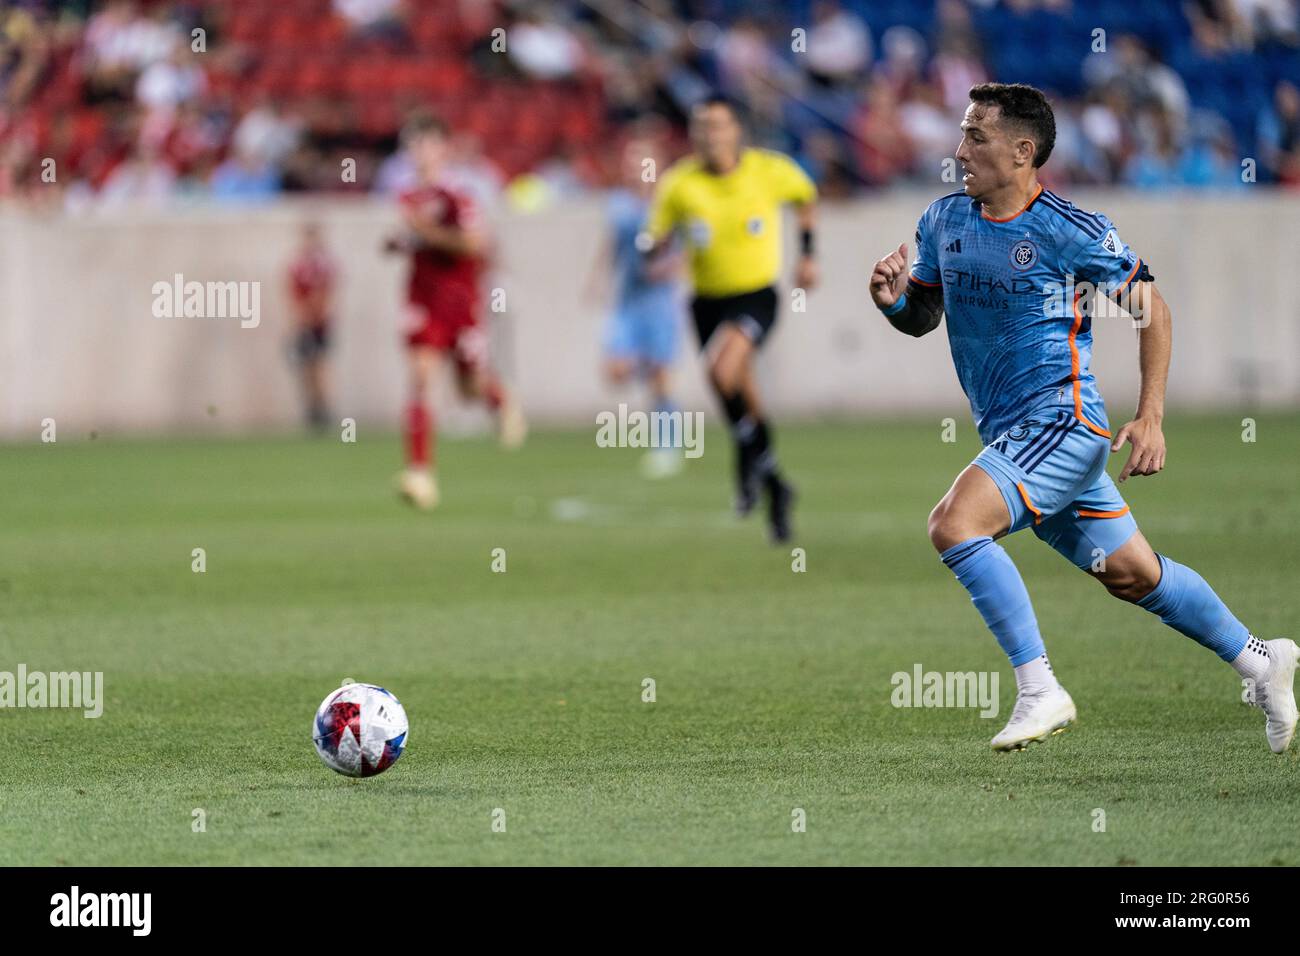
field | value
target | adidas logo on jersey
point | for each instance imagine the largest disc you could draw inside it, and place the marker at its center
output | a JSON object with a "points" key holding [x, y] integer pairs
{"points": [[954, 246]]}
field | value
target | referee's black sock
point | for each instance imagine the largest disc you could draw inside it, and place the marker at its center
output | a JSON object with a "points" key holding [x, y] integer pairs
{"points": [[744, 430], [764, 454], [743, 425]]}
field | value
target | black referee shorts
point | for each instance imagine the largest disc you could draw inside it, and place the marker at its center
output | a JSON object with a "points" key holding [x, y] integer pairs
{"points": [[754, 313]]}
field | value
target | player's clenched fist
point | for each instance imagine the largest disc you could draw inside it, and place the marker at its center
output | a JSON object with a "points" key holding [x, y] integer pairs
{"points": [[889, 278]]}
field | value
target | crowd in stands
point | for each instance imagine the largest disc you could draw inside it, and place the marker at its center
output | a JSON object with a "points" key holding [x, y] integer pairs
{"points": [[138, 101]]}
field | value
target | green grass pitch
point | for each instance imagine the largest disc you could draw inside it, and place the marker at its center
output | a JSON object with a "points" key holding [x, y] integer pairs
{"points": [[524, 689]]}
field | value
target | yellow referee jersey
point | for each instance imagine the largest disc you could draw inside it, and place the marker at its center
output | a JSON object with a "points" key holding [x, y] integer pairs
{"points": [[731, 224]]}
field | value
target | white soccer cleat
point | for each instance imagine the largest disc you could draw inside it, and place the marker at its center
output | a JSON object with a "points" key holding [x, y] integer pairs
{"points": [[512, 427], [419, 487], [1035, 718], [1275, 694], [662, 463]]}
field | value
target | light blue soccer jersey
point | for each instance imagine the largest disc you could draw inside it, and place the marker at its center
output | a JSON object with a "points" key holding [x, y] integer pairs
{"points": [[644, 324], [1021, 342], [627, 218]]}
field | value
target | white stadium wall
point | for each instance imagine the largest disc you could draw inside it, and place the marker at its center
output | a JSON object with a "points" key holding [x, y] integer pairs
{"points": [[79, 342]]}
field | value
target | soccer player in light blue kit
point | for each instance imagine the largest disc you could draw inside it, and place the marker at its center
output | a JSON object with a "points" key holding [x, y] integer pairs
{"points": [[1020, 273], [643, 330]]}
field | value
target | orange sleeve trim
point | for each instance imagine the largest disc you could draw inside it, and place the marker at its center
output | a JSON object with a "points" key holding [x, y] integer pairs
{"points": [[1074, 371], [932, 285], [1038, 515], [1125, 283], [1085, 513]]}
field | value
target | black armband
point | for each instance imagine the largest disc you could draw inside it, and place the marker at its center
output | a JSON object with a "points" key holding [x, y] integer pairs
{"points": [[806, 242]]}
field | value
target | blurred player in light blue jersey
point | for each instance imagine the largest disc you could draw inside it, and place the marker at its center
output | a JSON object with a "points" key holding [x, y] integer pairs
{"points": [[1020, 274], [643, 330]]}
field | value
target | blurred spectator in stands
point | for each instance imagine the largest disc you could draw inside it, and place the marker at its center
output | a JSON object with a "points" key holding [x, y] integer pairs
{"points": [[191, 144], [839, 45], [1143, 80], [1155, 165], [956, 68], [25, 42], [175, 79], [1279, 134], [244, 177], [120, 42], [884, 152], [469, 171], [1105, 134], [542, 46], [1211, 22], [382, 21], [902, 62], [747, 64], [958, 64], [1261, 21], [267, 133], [931, 131], [1210, 158], [824, 157], [144, 177]]}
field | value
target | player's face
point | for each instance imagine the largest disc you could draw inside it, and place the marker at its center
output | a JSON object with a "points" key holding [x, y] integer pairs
{"points": [[428, 153], [634, 162], [715, 133], [990, 157]]}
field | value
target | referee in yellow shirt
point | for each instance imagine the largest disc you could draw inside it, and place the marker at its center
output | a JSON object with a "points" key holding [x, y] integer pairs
{"points": [[725, 202]]}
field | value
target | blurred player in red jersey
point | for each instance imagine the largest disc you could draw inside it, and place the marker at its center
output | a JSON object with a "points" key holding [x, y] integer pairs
{"points": [[449, 247], [311, 288]]}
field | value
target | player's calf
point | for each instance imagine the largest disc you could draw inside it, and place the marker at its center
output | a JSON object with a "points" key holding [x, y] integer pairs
{"points": [[1132, 572]]}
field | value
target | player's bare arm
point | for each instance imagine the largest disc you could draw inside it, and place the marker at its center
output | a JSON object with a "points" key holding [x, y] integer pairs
{"points": [[455, 240], [1155, 340], [910, 307]]}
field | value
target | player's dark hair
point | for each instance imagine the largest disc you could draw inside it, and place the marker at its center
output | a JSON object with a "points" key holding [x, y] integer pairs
{"points": [[1025, 108], [725, 101], [423, 123]]}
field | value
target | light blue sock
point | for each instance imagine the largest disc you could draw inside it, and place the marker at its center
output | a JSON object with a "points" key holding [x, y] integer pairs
{"points": [[1186, 603], [668, 437], [999, 594]]}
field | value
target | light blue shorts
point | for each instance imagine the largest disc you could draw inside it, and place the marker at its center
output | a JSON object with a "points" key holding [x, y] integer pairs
{"points": [[646, 331], [1051, 470]]}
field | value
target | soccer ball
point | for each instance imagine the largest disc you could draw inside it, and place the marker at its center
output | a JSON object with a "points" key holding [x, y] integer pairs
{"points": [[360, 730]]}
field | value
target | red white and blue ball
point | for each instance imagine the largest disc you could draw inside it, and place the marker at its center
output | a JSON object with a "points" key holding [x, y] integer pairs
{"points": [[360, 730]]}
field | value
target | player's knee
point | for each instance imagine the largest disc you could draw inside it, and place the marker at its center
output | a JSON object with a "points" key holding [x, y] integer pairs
{"points": [[946, 527], [725, 379]]}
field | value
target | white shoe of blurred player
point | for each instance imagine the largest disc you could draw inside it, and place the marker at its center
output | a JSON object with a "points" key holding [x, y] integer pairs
{"points": [[512, 427], [662, 463], [1275, 694], [419, 487], [1035, 718]]}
